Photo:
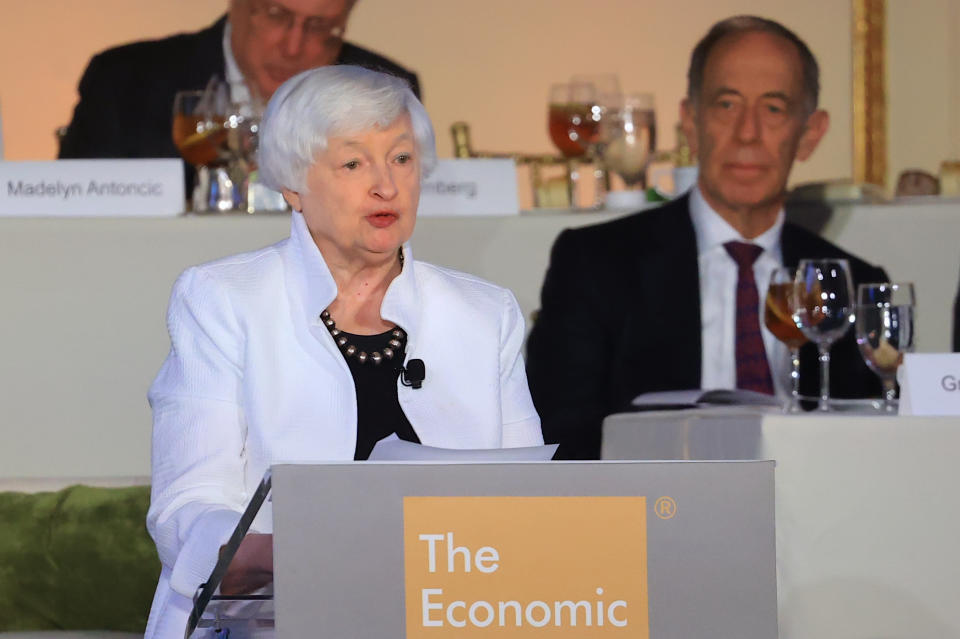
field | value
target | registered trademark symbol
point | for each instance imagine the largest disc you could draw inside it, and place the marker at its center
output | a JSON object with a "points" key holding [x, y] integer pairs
{"points": [[665, 508]]}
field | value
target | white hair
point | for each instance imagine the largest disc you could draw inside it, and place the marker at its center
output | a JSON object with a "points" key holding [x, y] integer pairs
{"points": [[320, 103]]}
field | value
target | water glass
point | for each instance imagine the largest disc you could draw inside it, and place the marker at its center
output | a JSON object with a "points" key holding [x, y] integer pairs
{"points": [[885, 331]]}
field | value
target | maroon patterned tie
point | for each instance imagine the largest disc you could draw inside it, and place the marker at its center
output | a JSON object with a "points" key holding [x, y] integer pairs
{"points": [[753, 370]]}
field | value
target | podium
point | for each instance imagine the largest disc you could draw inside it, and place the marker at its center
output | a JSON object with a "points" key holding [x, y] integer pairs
{"points": [[559, 549]]}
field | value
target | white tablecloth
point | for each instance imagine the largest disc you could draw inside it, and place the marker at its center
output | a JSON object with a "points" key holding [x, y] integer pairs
{"points": [[868, 518], [82, 305]]}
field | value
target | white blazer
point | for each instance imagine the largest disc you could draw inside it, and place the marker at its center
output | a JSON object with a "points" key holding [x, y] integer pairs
{"points": [[254, 378]]}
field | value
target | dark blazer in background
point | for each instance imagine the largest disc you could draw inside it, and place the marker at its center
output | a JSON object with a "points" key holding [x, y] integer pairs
{"points": [[620, 316], [956, 321], [126, 93]]}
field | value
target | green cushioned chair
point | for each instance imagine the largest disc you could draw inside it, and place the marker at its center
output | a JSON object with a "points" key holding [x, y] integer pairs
{"points": [[76, 559]]}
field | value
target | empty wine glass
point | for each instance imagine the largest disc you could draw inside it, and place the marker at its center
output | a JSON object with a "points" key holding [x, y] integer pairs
{"points": [[885, 331], [607, 101], [778, 314], [824, 310]]}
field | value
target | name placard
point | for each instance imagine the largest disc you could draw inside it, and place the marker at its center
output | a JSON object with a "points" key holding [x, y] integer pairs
{"points": [[472, 186], [519, 566], [930, 384], [92, 188]]}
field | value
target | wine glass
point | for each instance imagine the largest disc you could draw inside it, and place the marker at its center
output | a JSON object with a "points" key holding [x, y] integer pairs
{"points": [[824, 310], [606, 98], [605, 85], [219, 138], [198, 128], [242, 126], [570, 125], [200, 120], [885, 331], [607, 101], [568, 114], [632, 140], [778, 316]]}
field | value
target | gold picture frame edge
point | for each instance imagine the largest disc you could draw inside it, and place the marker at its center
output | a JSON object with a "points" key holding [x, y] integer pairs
{"points": [[869, 92]]}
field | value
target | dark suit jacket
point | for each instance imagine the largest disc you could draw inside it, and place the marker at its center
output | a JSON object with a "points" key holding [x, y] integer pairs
{"points": [[620, 316], [126, 93], [956, 322]]}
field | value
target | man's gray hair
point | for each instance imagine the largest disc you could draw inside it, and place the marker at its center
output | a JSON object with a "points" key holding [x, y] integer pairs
{"points": [[315, 105], [739, 25]]}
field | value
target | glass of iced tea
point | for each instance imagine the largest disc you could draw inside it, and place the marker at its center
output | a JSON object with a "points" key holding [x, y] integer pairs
{"points": [[778, 316], [603, 101], [571, 127], [568, 117], [206, 127], [198, 130]]}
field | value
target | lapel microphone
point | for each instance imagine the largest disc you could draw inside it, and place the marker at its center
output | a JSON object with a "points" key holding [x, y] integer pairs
{"points": [[414, 373]]}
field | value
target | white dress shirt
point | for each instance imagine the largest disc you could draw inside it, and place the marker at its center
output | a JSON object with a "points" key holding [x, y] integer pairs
{"points": [[718, 297], [239, 92], [254, 378]]}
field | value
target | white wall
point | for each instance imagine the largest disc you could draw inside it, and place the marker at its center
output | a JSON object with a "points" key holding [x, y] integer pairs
{"points": [[923, 83]]}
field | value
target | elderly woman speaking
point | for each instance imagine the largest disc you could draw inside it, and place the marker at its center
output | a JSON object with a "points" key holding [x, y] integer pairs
{"points": [[294, 352]]}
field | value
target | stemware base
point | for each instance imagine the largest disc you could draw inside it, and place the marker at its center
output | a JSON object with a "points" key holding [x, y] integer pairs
{"points": [[217, 189], [626, 200], [868, 406]]}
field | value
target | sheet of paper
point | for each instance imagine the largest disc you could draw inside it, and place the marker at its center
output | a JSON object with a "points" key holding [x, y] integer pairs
{"points": [[698, 397], [669, 398], [393, 448]]}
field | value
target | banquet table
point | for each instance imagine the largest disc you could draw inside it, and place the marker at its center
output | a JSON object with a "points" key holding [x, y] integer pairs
{"points": [[867, 515], [84, 301]]}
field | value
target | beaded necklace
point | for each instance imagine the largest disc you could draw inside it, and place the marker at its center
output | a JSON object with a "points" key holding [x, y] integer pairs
{"points": [[397, 340]]}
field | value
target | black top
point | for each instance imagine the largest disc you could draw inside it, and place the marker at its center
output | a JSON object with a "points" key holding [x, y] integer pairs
{"points": [[378, 409]]}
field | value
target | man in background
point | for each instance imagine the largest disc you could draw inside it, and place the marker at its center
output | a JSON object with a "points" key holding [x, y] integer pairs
{"points": [[126, 93], [671, 299]]}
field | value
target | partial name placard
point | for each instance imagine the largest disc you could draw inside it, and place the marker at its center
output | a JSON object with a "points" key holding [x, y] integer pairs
{"points": [[930, 384], [92, 188], [472, 186]]}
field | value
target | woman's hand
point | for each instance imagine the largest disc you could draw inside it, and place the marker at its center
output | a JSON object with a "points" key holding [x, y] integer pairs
{"points": [[252, 566]]}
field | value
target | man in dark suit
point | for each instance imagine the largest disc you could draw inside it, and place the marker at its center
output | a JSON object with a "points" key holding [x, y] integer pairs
{"points": [[670, 299], [126, 93]]}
